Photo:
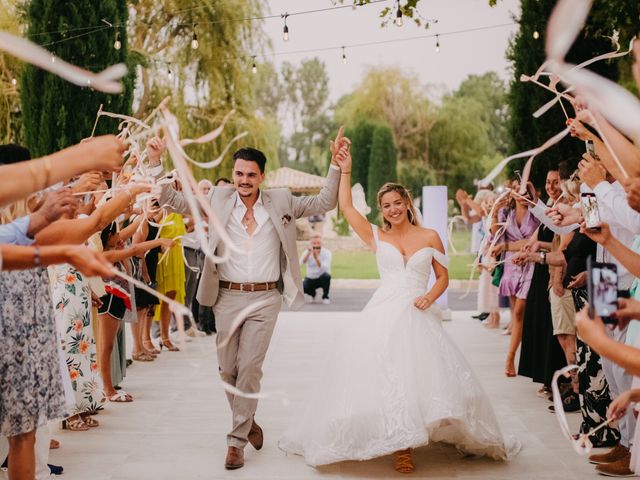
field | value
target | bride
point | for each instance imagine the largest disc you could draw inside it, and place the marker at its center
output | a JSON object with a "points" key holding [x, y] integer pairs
{"points": [[396, 381]]}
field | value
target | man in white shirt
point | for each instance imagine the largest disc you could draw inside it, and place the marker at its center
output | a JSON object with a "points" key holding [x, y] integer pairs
{"points": [[261, 266], [318, 262]]}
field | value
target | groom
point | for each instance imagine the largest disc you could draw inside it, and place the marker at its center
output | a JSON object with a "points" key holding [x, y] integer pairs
{"points": [[262, 224]]}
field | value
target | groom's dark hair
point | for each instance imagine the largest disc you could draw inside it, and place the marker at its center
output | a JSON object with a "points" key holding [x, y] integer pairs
{"points": [[251, 155]]}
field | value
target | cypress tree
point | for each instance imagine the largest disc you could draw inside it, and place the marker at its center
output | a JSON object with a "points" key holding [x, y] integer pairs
{"points": [[361, 152], [58, 114], [527, 54], [382, 165]]}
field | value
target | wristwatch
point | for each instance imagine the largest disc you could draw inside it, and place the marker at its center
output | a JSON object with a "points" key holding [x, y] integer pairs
{"points": [[543, 258]]}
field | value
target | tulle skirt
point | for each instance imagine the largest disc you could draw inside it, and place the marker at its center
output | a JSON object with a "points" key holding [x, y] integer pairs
{"points": [[395, 381]]}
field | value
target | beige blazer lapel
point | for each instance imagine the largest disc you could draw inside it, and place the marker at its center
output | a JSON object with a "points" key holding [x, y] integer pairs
{"points": [[277, 221]]}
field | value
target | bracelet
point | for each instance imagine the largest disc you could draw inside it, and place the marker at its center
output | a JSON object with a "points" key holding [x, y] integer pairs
{"points": [[543, 257], [36, 257]]}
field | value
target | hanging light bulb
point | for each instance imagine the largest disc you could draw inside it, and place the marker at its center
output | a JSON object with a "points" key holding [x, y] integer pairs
{"points": [[53, 59], [194, 41], [398, 20], [169, 74], [437, 43], [254, 68], [285, 30], [117, 44], [536, 35], [344, 57], [14, 81]]}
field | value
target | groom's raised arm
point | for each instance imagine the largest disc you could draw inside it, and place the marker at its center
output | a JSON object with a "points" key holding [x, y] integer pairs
{"points": [[326, 200]]}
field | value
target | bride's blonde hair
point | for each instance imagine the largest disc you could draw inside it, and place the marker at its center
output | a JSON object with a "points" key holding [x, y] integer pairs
{"points": [[405, 195]]}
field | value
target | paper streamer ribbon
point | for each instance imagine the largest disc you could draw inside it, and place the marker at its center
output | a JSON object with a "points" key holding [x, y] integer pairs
{"points": [[529, 153], [564, 26], [212, 135], [105, 81], [582, 445]]}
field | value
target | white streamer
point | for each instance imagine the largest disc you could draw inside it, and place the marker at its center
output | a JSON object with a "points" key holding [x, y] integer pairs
{"points": [[23, 49]]}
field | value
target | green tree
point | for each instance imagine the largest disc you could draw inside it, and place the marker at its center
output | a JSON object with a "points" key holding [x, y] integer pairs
{"points": [[10, 68], [527, 54], [382, 165], [56, 113], [207, 82], [361, 140], [390, 96]]}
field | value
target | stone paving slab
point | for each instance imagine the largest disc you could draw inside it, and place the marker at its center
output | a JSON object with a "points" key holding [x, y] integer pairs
{"points": [[175, 429]]}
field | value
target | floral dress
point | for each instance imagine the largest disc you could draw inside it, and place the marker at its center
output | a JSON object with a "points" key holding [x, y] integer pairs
{"points": [[31, 386], [72, 302]]}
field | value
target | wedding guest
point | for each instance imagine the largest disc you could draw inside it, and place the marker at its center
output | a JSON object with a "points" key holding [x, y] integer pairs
{"points": [[520, 225]]}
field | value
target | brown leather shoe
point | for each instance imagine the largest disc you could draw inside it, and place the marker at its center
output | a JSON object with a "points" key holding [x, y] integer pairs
{"points": [[235, 458], [616, 469], [613, 455], [256, 437]]}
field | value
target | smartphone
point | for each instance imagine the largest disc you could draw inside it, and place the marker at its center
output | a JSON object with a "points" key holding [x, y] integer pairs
{"points": [[602, 289], [590, 211], [591, 149]]}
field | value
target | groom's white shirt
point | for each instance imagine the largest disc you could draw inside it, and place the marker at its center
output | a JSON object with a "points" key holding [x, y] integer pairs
{"points": [[262, 260]]}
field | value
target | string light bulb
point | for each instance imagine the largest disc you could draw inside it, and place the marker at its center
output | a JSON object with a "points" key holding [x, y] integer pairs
{"points": [[194, 41], [14, 81], [344, 56], [53, 59], [536, 35], [437, 43], [398, 20], [117, 44], [285, 30], [254, 68], [169, 73]]}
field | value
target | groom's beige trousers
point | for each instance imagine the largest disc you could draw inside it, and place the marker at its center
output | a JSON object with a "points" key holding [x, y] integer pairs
{"points": [[240, 360]]}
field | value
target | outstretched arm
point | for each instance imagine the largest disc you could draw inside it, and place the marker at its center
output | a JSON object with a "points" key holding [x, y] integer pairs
{"points": [[137, 250], [22, 179], [360, 224], [87, 261]]}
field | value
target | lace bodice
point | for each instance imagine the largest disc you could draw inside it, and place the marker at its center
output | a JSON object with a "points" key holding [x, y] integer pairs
{"points": [[397, 271]]}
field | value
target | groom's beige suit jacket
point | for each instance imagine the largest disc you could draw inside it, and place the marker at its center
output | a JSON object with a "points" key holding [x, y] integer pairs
{"points": [[283, 208]]}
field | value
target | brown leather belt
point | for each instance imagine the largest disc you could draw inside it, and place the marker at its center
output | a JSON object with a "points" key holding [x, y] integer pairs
{"points": [[248, 287]]}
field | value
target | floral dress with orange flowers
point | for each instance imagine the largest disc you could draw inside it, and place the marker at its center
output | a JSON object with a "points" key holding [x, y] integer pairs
{"points": [[71, 297]]}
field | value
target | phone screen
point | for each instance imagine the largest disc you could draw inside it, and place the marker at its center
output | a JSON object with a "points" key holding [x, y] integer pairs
{"points": [[591, 149], [590, 210], [604, 282]]}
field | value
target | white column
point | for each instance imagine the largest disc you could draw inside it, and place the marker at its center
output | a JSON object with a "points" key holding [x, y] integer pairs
{"points": [[435, 216]]}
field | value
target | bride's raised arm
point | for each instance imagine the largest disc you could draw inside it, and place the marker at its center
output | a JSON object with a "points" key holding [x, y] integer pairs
{"points": [[358, 222]]}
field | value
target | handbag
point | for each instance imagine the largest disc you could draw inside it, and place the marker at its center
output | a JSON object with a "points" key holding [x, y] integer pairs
{"points": [[496, 275]]}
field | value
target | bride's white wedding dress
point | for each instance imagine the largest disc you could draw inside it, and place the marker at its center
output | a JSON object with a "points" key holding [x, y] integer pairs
{"points": [[396, 380]]}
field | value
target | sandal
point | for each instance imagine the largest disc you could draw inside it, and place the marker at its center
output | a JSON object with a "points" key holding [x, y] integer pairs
{"points": [[169, 346], [91, 422], [142, 357], [75, 425], [148, 345], [121, 397], [54, 444], [403, 462]]}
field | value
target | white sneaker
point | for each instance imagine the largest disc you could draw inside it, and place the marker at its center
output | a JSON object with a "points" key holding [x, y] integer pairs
{"points": [[326, 301], [191, 332], [308, 298]]}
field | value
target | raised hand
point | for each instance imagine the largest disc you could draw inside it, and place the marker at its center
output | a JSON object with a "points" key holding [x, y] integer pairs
{"points": [[591, 171], [601, 236], [564, 215], [55, 205], [334, 145], [88, 262], [155, 148], [343, 156], [618, 407], [88, 182], [103, 153]]}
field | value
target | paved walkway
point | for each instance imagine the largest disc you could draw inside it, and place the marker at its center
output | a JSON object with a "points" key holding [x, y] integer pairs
{"points": [[175, 429]]}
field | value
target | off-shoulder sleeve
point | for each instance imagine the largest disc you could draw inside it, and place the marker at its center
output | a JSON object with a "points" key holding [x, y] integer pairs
{"points": [[441, 258]]}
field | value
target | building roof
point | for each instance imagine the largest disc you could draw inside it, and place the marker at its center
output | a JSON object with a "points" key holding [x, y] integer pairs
{"points": [[295, 180]]}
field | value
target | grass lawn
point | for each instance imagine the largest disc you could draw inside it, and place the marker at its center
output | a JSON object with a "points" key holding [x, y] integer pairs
{"points": [[362, 265]]}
